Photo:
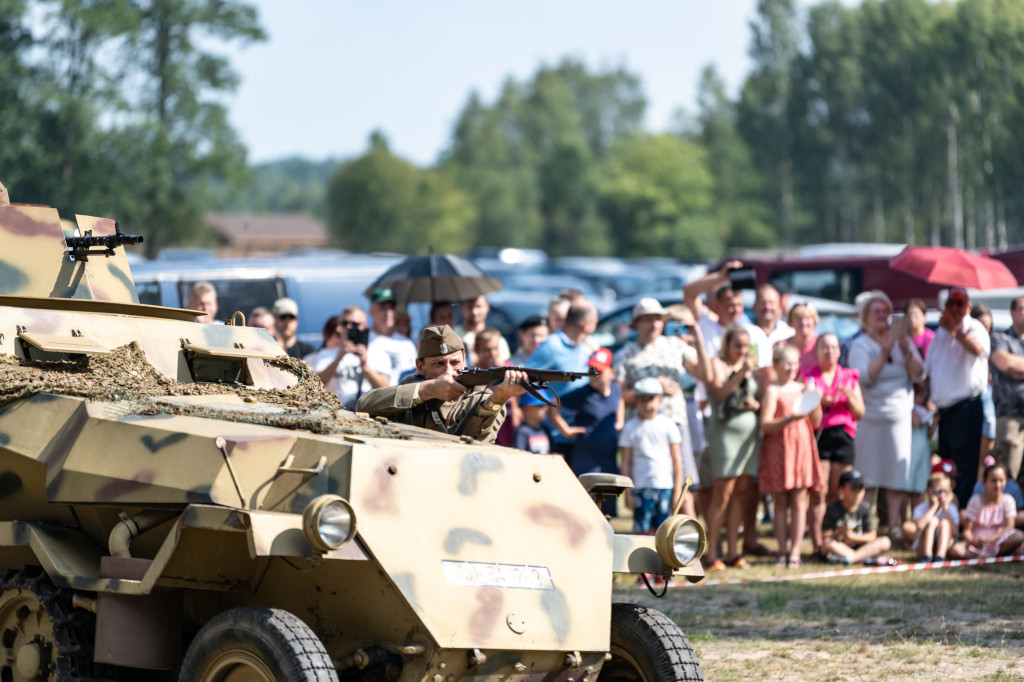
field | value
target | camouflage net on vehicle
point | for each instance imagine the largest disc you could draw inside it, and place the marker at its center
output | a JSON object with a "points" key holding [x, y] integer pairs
{"points": [[125, 376]]}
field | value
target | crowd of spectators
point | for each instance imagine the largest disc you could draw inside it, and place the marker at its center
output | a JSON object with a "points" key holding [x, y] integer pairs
{"points": [[918, 437]]}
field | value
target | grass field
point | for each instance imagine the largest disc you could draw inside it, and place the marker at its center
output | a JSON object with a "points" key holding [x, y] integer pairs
{"points": [[952, 624], [939, 624]]}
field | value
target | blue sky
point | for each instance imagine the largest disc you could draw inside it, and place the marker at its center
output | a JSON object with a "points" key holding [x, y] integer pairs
{"points": [[334, 70]]}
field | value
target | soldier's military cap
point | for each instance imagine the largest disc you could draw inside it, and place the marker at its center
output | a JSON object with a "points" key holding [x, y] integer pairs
{"points": [[439, 340]]}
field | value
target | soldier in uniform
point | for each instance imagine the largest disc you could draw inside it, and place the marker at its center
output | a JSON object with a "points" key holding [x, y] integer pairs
{"points": [[433, 399]]}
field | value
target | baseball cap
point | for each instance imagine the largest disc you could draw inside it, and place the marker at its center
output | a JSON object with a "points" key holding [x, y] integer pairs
{"points": [[851, 477], [440, 340], [382, 295], [285, 306], [525, 400], [648, 386], [601, 359], [946, 466], [647, 306]]}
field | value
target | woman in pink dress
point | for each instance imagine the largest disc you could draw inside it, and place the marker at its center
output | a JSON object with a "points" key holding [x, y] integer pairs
{"points": [[803, 318], [789, 456], [989, 520], [842, 405]]}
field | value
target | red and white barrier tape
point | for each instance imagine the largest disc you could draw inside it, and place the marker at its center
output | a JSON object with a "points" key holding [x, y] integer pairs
{"points": [[866, 570]]}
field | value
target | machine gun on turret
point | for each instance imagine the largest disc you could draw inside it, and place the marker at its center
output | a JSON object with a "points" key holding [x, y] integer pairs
{"points": [[80, 248]]}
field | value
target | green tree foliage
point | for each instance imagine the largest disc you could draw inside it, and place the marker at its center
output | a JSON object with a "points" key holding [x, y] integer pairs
{"points": [[119, 109], [291, 185], [656, 194], [379, 202]]}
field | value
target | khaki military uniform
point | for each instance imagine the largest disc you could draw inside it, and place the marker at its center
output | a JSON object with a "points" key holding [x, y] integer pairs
{"points": [[463, 417]]}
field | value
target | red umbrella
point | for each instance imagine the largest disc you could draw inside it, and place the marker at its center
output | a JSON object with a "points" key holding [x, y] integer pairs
{"points": [[953, 267]]}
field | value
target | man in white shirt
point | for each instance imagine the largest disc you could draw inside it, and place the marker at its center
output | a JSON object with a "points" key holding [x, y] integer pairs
{"points": [[768, 315], [727, 306], [957, 367], [350, 369], [383, 337]]}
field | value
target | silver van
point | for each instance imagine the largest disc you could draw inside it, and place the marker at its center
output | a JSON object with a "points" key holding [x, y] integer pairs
{"points": [[321, 287]]}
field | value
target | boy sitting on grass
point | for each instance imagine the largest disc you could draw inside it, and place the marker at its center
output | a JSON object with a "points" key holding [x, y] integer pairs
{"points": [[936, 521], [848, 532]]}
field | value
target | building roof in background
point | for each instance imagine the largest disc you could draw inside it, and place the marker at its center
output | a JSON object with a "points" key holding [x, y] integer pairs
{"points": [[248, 232]]}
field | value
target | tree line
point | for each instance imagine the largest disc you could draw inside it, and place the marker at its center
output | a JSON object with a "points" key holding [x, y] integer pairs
{"points": [[894, 120]]}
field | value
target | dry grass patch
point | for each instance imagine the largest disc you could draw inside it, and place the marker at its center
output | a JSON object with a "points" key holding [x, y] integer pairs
{"points": [[950, 624]]}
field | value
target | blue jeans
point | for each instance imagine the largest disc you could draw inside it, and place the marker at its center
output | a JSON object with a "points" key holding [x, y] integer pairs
{"points": [[651, 507]]}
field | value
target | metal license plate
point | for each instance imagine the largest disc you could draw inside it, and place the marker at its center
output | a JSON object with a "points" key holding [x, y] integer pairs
{"points": [[474, 574]]}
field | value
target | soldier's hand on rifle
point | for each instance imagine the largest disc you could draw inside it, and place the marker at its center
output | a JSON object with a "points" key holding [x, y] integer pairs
{"points": [[444, 387], [514, 384]]}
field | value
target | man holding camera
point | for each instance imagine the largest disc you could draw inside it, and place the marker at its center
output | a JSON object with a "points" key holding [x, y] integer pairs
{"points": [[345, 364]]}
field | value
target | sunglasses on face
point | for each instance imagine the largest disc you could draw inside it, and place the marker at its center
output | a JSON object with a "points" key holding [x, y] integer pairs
{"points": [[348, 324], [287, 316]]}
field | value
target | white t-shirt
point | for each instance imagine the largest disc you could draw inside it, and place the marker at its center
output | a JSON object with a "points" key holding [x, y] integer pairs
{"points": [[949, 512], [651, 456], [345, 382], [780, 333], [400, 351], [955, 373]]}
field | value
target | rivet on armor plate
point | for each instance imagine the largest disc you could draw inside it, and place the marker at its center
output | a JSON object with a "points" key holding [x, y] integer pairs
{"points": [[537, 477]]}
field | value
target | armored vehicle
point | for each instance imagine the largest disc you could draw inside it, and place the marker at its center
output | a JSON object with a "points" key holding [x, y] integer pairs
{"points": [[183, 501]]}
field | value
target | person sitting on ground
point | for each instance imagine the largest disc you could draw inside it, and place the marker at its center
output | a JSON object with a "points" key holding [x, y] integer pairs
{"points": [[286, 324], [936, 521], [1013, 488], [649, 443], [848, 531], [533, 434], [434, 399], [989, 520]]}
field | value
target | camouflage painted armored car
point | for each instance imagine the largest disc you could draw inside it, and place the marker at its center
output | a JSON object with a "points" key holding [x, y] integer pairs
{"points": [[183, 501]]}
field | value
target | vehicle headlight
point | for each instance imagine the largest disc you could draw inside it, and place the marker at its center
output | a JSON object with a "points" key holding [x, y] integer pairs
{"points": [[680, 541], [329, 522]]}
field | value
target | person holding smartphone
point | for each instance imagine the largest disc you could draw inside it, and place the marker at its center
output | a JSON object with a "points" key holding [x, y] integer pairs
{"points": [[348, 367]]}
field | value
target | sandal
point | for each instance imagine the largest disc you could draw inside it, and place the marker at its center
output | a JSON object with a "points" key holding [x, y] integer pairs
{"points": [[716, 565], [738, 562], [795, 563], [881, 561], [781, 562]]}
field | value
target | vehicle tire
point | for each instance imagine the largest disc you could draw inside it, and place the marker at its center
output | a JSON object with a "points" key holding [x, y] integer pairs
{"points": [[256, 643], [646, 646], [42, 636]]}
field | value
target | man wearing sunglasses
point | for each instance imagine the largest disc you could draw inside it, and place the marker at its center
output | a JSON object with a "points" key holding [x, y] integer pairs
{"points": [[346, 366], [957, 367], [286, 323]]}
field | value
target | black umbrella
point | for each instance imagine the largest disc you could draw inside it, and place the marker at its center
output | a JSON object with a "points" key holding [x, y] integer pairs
{"points": [[419, 279]]}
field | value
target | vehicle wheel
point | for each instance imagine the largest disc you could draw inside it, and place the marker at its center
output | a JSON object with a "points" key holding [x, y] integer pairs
{"points": [[42, 637], [648, 647], [255, 644]]}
